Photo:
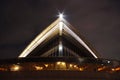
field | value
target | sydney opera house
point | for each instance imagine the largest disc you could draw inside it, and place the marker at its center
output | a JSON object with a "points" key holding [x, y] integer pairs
{"points": [[59, 53]]}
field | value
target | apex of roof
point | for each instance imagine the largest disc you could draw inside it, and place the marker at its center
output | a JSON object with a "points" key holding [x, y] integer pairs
{"points": [[59, 27]]}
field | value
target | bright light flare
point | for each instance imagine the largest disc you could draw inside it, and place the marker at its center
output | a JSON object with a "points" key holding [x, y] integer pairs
{"points": [[61, 16]]}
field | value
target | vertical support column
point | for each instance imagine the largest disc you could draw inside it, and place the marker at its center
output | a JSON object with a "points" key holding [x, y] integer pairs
{"points": [[60, 39], [60, 49]]}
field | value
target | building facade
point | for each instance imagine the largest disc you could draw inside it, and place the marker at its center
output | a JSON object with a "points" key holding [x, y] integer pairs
{"points": [[59, 53]]}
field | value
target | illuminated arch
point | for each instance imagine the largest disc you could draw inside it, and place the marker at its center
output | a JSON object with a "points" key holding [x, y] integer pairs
{"points": [[57, 27]]}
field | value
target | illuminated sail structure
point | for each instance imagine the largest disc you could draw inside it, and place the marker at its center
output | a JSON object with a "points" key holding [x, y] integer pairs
{"points": [[59, 53], [60, 39]]}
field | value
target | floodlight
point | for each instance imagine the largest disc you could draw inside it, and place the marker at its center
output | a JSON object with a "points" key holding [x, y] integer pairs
{"points": [[61, 15]]}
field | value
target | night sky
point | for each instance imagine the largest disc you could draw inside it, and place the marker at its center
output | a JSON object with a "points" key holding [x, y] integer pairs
{"points": [[97, 20]]}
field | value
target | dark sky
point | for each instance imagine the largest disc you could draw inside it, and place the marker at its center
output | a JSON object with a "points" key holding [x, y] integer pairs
{"points": [[97, 20]]}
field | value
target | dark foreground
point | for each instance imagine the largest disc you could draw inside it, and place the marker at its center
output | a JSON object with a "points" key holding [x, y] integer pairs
{"points": [[58, 75], [59, 69]]}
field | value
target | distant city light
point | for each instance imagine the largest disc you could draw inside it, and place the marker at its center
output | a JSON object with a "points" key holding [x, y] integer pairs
{"points": [[63, 63], [108, 61], [38, 67], [71, 65], [101, 68], [81, 69], [75, 66], [46, 65], [116, 69], [15, 68], [58, 63]]}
